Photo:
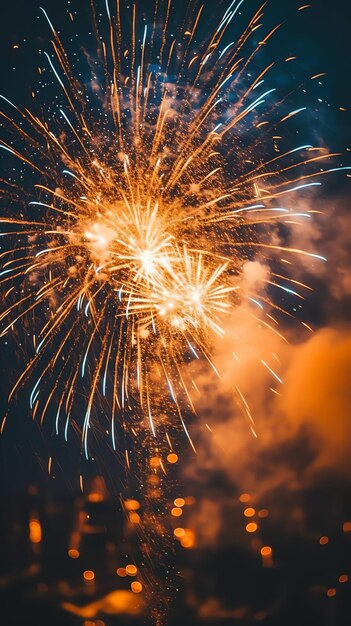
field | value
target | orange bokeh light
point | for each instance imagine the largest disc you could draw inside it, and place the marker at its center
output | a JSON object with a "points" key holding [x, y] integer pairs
{"points": [[88, 575], [172, 458], [35, 531], [179, 502], [249, 512], [73, 553], [132, 505], [131, 570], [251, 527], [121, 571], [136, 587], [188, 540], [245, 497], [177, 512], [155, 462], [95, 497], [324, 540], [331, 592]]}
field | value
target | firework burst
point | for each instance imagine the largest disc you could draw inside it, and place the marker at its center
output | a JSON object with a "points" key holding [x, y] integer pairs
{"points": [[154, 183]]}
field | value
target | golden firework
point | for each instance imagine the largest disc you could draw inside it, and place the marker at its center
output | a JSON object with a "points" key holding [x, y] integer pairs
{"points": [[151, 185]]}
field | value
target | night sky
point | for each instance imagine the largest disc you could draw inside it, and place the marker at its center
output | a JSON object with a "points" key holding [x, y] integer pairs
{"points": [[293, 482]]}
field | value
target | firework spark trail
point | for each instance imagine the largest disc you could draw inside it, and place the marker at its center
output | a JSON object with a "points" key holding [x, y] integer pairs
{"points": [[130, 255]]}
